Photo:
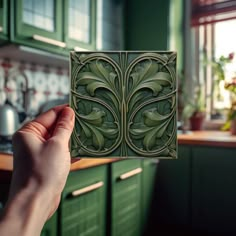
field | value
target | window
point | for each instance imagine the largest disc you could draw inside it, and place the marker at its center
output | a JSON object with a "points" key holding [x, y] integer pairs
{"points": [[109, 25], [79, 20], [39, 13], [213, 23]]}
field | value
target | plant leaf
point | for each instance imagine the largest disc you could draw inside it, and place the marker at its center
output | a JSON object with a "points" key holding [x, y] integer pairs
{"points": [[140, 131], [150, 139], [95, 117], [95, 85], [153, 118], [161, 78], [97, 139], [153, 85]]}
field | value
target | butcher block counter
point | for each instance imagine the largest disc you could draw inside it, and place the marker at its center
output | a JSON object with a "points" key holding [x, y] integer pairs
{"points": [[208, 138], [202, 138], [6, 162]]}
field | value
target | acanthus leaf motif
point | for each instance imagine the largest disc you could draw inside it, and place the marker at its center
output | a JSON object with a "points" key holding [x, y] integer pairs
{"points": [[125, 105], [146, 75], [153, 127], [94, 126]]}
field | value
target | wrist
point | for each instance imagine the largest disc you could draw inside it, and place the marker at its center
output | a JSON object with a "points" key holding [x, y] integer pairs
{"points": [[29, 209]]}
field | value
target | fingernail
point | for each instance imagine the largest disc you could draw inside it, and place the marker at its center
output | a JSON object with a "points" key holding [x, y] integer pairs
{"points": [[68, 113]]}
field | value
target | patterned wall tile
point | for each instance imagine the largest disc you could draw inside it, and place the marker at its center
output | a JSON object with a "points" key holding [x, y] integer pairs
{"points": [[42, 83]]}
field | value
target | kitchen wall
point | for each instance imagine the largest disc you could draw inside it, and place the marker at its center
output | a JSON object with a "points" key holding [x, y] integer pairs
{"points": [[156, 25], [43, 84], [46, 83], [147, 25]]}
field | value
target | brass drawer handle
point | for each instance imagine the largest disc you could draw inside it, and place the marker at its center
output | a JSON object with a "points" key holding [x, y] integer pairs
{"points": [[1, 29], [87, 189], [130, 173], [49, 41]]}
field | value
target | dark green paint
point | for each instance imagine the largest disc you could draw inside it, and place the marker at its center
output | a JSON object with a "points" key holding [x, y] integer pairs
{"points": [[125, 199], [150, 168], [125, 104], [84, 214], [25, 31], [4, 6], [173, 191], [22, 33], [147, 25], [50, 228], [73, 42], [213, 190]]}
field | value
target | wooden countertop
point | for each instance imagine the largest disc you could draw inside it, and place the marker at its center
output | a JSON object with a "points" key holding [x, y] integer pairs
{"points": [[203, 138], [208, 138], [6, 162]]}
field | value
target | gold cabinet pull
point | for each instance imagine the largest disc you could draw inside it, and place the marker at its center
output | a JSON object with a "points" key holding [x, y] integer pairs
{"points": [[87, 189], [1, 29], [49, 41], [130, 173]]}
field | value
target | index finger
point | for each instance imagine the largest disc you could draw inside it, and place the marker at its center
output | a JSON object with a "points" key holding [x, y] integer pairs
{"points": [[48, 118], [44, 123]]}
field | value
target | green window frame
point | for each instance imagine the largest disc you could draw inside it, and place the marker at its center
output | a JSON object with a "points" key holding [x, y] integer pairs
{"points": [[74, 44], [24, 30]]}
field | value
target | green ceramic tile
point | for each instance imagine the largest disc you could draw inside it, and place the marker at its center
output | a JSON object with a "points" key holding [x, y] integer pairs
{"points": [[125, 104]]}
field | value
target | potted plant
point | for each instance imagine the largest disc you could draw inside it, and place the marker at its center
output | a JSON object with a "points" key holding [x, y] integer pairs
{"points": [[230, 123], [219, 68], [194, 109]]}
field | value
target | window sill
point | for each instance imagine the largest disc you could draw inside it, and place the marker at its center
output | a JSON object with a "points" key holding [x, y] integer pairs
{"points": [[213, 124]]}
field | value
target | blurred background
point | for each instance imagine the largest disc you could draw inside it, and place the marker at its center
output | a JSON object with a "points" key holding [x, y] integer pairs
{"points": [[37, 36], [193, 195]]}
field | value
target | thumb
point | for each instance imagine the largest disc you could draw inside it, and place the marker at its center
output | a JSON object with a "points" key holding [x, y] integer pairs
{"points": [[64, 125]]}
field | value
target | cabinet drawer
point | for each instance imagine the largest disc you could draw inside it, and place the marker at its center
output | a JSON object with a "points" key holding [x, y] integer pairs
{"points": [[126, 197], [83, 206]]}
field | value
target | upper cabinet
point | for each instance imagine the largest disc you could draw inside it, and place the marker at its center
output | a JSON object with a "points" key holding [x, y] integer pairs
{"points": [[39, 24], [80, 24], [3, 20], [59, 26], [55, 25]]}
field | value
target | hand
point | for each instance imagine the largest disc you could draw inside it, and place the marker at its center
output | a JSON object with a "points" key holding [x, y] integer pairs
{"points": [[41, 164]]}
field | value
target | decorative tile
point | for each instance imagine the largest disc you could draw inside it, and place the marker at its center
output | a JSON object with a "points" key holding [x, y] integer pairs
{"points": [[125, 104]]}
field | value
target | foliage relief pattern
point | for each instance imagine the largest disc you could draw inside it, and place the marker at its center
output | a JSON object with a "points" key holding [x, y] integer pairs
{"points": [[125, 104]]}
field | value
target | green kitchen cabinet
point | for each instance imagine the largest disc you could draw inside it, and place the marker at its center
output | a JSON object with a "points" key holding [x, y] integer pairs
{"points": [[54, 25], [173, 191], [38, 24], [126, 178], [150, 168], [83, 205], [80, 24], [3, 20], [213, 190], [50, 228]]}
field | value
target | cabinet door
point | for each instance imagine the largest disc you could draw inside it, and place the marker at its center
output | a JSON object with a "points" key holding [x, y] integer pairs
{"points": [[173, 190], [83, 205], [39, 23], [3, 20], [213, 190], [50, 228], [148, 189], [80, 24], [126, 198]]}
